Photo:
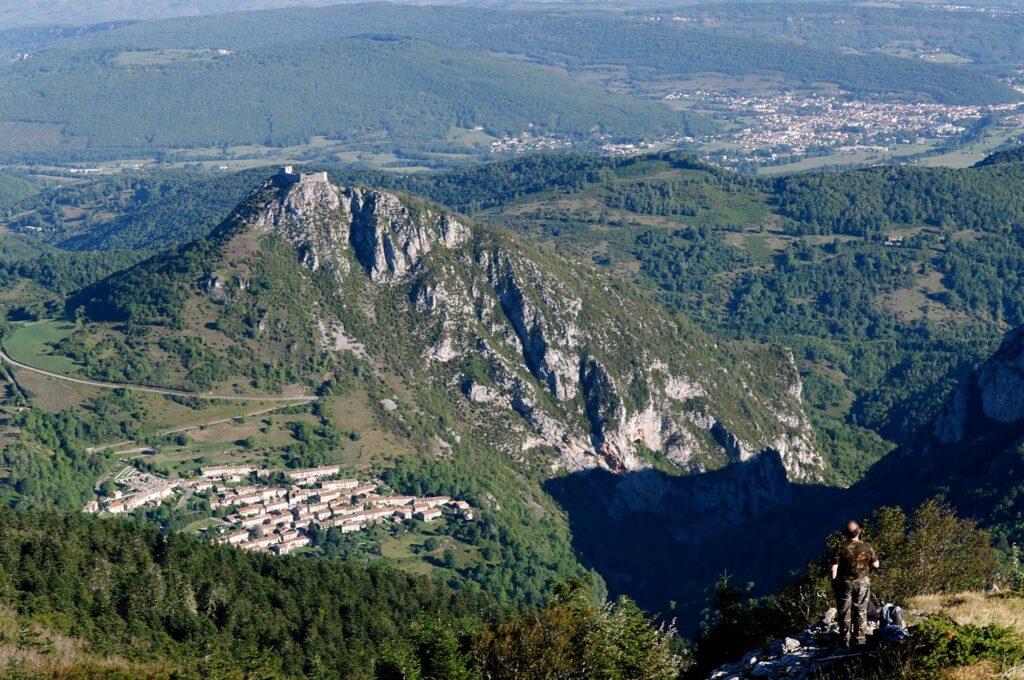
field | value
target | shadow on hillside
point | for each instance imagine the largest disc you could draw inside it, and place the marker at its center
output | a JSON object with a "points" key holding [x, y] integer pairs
{"points": [[662, 538]]}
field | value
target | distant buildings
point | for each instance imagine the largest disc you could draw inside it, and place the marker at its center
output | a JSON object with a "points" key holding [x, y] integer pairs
{"points": [[277, 518], [427, 514], [223, 471], [311, 474]]}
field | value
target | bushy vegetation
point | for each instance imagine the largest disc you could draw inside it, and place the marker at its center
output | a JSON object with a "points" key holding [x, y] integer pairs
{"points": [[573, 636], [130, 212], [214, 611], [868, 202], [944, 644], [49, 465]]}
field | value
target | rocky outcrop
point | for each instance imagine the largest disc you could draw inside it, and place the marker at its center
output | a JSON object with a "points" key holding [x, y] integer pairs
{"points": [[992, 394], [322, 222], [311, 217], [609, 391], [540, 339], [803, 656], [389, 239]]}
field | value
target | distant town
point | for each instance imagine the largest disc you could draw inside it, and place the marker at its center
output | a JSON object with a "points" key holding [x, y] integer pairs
{"points": [[794, 124], [273, 510]]}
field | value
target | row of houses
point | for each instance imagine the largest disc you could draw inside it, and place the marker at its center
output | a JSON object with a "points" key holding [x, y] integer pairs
{"points": [[136, 501], [280, 542], [151, 490], [260, 513]]}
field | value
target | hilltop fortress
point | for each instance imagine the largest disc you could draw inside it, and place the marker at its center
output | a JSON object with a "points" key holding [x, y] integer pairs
{"points": [[289, 176]]}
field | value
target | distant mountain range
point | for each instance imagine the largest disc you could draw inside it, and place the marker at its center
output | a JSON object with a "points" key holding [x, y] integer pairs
{"points": [[81, 12], [383, 77]]}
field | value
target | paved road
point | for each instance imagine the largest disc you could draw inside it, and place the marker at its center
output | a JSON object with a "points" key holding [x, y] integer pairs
{"points": [[142, 388], [285, 401], [142, 450]]}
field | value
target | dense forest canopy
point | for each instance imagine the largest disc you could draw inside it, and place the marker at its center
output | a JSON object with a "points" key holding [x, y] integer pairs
{"points": [[366, 90], [987, 40], [575, 39], [128, 589]]}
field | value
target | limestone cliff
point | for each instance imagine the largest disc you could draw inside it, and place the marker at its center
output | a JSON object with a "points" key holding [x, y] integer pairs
{"points": [[571, 361], [544, 358], [992, 394]]}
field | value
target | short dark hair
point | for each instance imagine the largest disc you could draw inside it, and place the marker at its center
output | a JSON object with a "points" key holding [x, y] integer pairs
{"points": [[852, 529]]}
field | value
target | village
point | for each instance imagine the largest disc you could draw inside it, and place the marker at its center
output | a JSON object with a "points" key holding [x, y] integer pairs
{"points": [[274, 510], [796, 123]]}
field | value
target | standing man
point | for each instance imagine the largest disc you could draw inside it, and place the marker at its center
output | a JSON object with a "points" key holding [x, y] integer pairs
{"points": [[852, 563]]}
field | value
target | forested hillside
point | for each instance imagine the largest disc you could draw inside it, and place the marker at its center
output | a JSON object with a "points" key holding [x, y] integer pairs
{"points": [[578, 40], [769, 259], [741, 254], [14, 187], [448, 341], [406, 78], [888, 292], [76, 12], [132, 603], [179, 99], [982, 40], [886, 281], [135, 212]]}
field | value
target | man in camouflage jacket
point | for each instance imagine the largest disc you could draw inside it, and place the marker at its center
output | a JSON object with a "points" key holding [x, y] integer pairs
{"points": [[852, 563]]}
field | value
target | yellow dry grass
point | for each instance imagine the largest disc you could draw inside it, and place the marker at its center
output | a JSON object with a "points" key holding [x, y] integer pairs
{"points": [[980, 671], [978, 609], [983, 671]]}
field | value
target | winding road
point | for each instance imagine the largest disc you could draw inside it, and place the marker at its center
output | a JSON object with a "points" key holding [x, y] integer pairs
{"points": [[285, 401], [154, 390]]}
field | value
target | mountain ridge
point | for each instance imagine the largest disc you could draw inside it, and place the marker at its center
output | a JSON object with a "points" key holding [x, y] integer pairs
{"points": [[471, 295]]}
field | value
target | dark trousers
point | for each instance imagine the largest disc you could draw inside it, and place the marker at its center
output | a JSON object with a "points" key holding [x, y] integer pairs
{"points": [[852, 602]]}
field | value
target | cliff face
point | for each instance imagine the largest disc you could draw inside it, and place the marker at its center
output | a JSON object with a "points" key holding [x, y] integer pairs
{"points": [[566, 359], [970, 455], [994, 394]]}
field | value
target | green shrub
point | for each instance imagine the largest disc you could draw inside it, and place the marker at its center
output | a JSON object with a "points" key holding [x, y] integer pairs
{"points": [[942, 644]]}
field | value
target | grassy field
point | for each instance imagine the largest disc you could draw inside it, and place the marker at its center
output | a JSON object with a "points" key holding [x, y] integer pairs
{"points": [[51, 394], [979, 609], [163, 57], [264, 438], [406, 549], [32, 345], [464, 137], [837, 160]]}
